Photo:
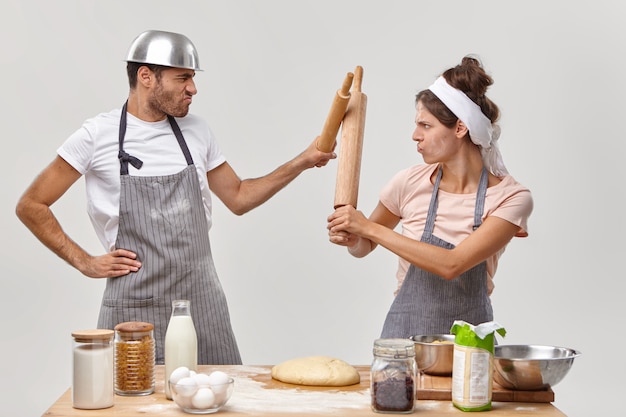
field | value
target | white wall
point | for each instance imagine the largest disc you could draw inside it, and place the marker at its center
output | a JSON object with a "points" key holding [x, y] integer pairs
{"points": [[271, 69]]}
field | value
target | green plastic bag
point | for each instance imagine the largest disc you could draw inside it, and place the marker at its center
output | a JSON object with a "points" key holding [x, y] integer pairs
{"points": [[472, 368]]}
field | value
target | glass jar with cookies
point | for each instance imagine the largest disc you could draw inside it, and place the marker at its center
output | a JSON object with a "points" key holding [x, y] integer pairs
{"points": [[134, 358]]}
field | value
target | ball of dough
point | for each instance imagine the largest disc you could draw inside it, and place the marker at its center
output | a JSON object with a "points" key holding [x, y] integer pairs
{"points": [[316, 370]]}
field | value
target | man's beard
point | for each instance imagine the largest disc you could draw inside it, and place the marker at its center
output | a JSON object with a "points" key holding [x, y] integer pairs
{"points": [[167, 102]]}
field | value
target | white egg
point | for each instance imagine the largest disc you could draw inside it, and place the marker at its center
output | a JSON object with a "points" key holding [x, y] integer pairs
{"points": [[186, 387], [218, 381], [203, 399], [183, 402], [218, 378], [192, 373], [202, 379], [179, 373], [220, 397]]}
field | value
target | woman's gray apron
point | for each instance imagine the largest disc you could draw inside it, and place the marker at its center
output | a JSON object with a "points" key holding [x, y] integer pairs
{"points": [[428, 303], [162, 219]]}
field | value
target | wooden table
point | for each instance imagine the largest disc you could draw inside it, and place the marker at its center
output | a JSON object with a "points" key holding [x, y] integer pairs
{"points": [[256, 394]]}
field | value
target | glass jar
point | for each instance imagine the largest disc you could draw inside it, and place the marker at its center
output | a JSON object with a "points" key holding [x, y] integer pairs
{"points": [[92, 369], [134, 358], [393, 376]]}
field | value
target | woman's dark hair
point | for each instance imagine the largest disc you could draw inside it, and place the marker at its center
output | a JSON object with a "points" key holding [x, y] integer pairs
{"points": [[133, 67], [469, 77]]}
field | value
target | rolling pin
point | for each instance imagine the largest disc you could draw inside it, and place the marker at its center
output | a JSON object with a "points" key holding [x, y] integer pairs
{"points": [[326, 141], [351, 146]]}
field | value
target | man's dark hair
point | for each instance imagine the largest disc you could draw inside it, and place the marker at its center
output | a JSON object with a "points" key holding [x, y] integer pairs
{"points": [[133, 67]]}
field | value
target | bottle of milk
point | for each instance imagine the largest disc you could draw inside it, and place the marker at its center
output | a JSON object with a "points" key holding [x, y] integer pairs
{"points": [[181, 342]]}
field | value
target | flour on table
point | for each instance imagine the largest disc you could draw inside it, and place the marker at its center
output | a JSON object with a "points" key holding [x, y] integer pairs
{"points": [[250, 396]]}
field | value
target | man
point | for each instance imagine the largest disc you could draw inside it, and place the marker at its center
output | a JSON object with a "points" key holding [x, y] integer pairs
{"points": [[149, 172]]}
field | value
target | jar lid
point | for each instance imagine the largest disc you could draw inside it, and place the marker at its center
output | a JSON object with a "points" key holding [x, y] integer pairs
{"points": [[134, 327], [92, 334], [394, 348]]}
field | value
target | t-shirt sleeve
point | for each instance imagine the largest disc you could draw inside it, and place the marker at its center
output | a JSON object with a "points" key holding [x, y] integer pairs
{"points": [[215, 157], [78, 149], [391, 194], [516, 209]]}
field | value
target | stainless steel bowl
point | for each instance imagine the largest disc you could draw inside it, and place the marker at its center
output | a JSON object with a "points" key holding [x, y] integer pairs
{"points": [[434, 353], [531, 367], [164, 48]]}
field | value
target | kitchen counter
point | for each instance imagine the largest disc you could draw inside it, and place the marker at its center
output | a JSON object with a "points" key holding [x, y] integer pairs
{"points": [[257, 394]]}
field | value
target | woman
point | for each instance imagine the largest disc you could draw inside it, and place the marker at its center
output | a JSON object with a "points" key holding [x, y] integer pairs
{"points": [[458, 210]]}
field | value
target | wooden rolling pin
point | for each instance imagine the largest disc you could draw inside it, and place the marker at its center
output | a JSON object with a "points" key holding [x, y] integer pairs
{"points": [[351, 146], [326, 141]]}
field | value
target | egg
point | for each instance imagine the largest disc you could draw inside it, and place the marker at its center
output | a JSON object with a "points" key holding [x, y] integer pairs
{"points": [[218, 381], [202, 379], [218, 378], [179, 373], [186, 387], [203, 399], [183, 402], [220, 397]]}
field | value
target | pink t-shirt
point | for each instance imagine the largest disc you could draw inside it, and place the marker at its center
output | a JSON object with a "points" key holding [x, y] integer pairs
{"points": [[408, 196]]}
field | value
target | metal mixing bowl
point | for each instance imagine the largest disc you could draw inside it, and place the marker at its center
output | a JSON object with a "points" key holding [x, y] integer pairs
{"points": [[433, 353], [164, 48], [531, 367]]}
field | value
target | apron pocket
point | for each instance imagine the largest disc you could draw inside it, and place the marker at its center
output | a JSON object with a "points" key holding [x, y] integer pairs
{"points": [[130, 302], [115, 311]]}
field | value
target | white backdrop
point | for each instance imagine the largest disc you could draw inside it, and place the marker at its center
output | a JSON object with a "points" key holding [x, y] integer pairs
{"points": [[271, 69]]}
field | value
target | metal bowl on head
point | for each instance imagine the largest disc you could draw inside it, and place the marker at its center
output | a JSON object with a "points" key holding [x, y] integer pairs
{"points": [[531, 367], [434, 353], [164, 48]]}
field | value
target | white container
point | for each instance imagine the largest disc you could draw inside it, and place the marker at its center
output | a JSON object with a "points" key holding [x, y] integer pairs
{"points": [[472, 364], [92, 369], [472, 377], [181, 342]]}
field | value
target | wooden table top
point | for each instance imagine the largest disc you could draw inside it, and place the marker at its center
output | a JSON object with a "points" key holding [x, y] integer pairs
{"points": [[256, 394]]}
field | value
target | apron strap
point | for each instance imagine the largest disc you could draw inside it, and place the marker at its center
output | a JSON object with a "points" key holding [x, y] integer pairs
{"points": [[432, 209], [180, 139], [125, 158], [122, 155], [481, 195], [479, 209]]}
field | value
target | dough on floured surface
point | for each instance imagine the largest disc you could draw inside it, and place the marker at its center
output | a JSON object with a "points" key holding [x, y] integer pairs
{"points": [[316, 370]]}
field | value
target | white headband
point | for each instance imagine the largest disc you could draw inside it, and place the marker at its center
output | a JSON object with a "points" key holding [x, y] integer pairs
{"points": [[482, 132]]}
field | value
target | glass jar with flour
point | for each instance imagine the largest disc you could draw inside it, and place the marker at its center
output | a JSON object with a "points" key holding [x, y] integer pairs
{"points": [[92, 369]]}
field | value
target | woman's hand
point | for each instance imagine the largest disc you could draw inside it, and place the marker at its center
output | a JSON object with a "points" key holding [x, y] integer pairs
{"points": [[344, 226]]}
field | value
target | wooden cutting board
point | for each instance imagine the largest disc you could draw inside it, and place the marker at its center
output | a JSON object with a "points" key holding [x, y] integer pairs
{"points": [[430, 387]]}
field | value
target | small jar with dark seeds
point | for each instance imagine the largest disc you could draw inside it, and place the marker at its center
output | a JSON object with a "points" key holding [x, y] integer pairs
{"points": [[393, 376]]}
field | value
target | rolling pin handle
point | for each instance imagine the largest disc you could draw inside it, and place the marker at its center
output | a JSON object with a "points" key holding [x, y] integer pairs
{"points": [[347, 83], [326, 142], [358, 78]]}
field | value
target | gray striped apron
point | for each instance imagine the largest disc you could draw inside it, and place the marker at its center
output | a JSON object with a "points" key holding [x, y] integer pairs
{"points": [[162, 220], [429, 304]]}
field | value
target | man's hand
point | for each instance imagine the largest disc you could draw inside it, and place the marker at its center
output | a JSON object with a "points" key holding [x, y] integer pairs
{"points": [[115, 264]]}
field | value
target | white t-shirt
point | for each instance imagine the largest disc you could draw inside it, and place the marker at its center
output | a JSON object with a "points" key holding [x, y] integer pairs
{"points": [[408, 195], [93, 151]]}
